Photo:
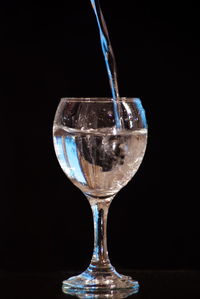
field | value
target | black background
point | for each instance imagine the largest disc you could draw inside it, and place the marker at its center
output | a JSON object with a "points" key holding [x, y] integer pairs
{"points": [[52, 50]]}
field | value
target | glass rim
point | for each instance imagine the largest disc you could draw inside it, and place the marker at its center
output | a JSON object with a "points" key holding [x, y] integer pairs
{"points": [[98, 99]]}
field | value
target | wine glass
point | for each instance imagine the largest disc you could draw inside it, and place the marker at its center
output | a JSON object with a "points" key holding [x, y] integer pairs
{"points": [[99, 158]]}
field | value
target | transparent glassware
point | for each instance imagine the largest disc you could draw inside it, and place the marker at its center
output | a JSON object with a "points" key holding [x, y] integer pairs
{"points": [[100, 159]]}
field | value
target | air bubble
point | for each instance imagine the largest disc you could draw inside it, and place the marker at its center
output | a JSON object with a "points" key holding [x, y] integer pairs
{"points": [[110, 114]]}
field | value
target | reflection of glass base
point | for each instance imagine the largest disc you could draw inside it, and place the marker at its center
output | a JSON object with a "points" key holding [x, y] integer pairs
{"points": [[94, 283]]}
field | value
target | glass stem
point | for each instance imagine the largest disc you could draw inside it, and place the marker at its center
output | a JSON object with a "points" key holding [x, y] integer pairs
{"points": [[100, 260]]}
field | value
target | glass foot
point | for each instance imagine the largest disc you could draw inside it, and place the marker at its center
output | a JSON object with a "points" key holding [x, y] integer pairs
{"points": [[94, 282]]}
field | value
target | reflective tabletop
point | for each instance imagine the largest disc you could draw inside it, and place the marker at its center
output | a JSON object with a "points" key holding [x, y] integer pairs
{"points": [[153, 284]]}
